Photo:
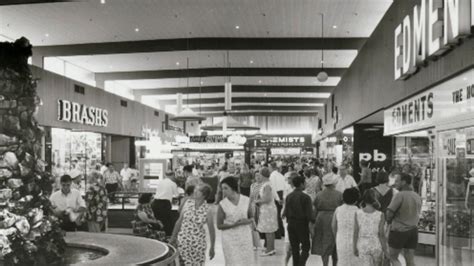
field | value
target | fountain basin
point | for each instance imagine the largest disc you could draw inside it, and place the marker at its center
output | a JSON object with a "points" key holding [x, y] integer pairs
{"points": [[109, 249]]}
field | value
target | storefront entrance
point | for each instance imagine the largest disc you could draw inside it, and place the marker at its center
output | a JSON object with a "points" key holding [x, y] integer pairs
{"points": [[75, 152], [456, 193]]}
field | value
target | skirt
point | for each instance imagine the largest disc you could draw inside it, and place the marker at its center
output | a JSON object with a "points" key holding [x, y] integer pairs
{"points": [[323, 239]]}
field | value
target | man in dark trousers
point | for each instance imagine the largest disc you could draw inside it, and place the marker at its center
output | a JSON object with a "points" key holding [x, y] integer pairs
{"points": [[299, 213]]}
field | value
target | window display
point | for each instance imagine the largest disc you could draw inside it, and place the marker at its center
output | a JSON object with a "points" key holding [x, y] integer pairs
{"points": [[414, 155], [456, 217], [75, 153]]}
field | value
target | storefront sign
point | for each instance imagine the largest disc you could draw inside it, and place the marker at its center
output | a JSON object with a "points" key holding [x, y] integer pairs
{"points": [[284, 141], [208, 139], [434, 27], [449, 99], [79, 113], [371, 146]]}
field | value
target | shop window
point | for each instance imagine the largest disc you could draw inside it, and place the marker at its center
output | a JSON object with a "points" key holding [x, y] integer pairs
{"points": [[74, 153], [123, 103]]}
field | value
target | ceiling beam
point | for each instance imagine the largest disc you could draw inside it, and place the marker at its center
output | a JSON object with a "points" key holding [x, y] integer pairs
{"points": [[170, 45], [247, 100], [274, 108], [235, 89], [218, 72], [28, 2]]}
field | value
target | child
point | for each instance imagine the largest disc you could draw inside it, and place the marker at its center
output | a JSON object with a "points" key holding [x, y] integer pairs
{"points": [[369, 238]]}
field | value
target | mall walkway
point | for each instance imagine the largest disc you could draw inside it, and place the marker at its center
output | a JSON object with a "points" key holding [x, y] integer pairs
{"points": [[279, 258]]}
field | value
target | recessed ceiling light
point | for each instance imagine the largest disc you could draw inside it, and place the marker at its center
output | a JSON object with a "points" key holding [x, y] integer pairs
{"points": [[334, 26], [237, 27], [202, 82], [464, 79], [251, 61], [137, 29], [102, 1], [47, 35], [177, 63], [260, 81], [322, 61]]}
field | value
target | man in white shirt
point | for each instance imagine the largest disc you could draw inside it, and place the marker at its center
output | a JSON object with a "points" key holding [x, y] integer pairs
{"points": [[126, 173], [278, 184], [345, 180], [166, 190], [68, 204]]}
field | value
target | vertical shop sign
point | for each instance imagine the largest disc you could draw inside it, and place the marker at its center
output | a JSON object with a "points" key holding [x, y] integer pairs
{"points": [[372, 146]]}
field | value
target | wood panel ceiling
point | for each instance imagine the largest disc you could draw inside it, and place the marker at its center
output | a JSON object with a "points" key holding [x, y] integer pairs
{"points": [[274, 47]]}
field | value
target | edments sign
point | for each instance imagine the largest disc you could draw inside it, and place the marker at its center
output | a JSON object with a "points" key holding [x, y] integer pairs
{"points": [[82, 114], [208, 139], [416, 110], [434, 27]]}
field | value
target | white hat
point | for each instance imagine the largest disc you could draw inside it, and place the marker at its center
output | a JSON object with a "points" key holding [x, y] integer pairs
{"points": [[74, 173], [330, 179]]}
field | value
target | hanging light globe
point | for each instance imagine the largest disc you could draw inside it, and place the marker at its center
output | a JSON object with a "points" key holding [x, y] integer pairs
{"points": [[322, 76]]}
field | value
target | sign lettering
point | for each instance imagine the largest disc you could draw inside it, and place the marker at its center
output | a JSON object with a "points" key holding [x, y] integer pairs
{"points": [[434, 27], [79, 113]]}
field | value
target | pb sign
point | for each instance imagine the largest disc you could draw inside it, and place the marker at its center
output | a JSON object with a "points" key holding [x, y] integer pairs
{"points": [[377, 156]]}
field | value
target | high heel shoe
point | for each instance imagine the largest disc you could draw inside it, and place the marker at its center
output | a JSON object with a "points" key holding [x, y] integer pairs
{"points": [[269, 253]]}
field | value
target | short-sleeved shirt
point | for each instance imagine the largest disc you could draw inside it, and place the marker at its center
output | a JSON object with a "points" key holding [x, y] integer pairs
{"points": [[73, 200], [345, 183], [406, 207], [111, 177], [166, 189]]}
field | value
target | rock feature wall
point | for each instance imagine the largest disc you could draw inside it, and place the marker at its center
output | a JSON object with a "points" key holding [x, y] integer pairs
{"points": [[29, 233]]}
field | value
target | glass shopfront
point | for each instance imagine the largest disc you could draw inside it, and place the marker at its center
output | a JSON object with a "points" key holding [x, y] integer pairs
{"points": [[456, 196], [75, 153], [434, 142]]}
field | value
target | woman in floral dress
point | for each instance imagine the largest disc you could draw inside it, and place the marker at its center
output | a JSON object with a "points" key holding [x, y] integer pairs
{"points": [[369, 242], [267, 217], [343, 228], [189, 234], [96, 202]]}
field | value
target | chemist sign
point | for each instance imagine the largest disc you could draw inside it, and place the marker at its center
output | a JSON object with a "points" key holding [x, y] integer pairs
{"points": [[446, 100], [284, 141]]}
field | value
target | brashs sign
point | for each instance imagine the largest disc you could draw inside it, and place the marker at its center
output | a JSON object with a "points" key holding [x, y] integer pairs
{"points": [[433, 27], [82, 114]]}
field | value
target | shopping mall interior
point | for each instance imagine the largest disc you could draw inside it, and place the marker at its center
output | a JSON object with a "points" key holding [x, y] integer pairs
{"points": [[103, 102]]}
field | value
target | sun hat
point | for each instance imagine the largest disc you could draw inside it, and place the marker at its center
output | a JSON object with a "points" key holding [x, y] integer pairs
{"points": [[330, 179]]}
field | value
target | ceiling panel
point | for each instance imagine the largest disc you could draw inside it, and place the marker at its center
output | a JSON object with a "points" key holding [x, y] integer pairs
{"points": [[117, 20], [213, 59], [216, 81]]}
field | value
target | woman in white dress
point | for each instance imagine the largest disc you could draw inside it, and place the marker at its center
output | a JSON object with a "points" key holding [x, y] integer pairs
{"points": [[343, 228], [369, 242], [234, 218]]}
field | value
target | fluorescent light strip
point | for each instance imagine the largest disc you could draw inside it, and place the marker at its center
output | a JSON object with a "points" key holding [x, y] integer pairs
{"points": [[261, 111], [323, 95], [249, 104]]}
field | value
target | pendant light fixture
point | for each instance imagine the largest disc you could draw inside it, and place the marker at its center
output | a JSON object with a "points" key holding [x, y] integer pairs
{"points": [[187, 114], [322, 75]]}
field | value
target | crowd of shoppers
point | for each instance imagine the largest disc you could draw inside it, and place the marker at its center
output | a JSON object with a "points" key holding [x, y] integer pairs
{"points": [[318, 208]]}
